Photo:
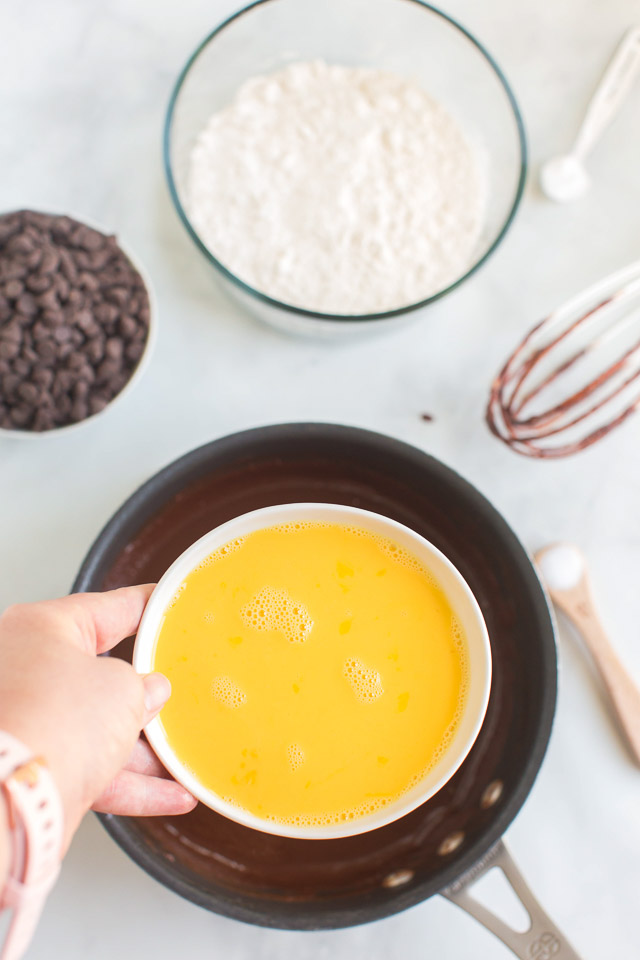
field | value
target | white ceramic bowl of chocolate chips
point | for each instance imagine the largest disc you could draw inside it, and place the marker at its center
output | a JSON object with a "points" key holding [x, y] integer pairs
{"points": [[77, 323]]}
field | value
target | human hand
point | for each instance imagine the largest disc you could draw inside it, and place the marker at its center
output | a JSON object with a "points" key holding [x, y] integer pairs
{"points": [[84, 713]]}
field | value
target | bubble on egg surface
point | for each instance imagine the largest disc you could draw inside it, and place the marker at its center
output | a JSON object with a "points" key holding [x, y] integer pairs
{"points": [[273, 609], [365, 682], [228, 693], [367, 808], [174, 599], [297, 526], [394, 552], [295, 756], [221, 552]]}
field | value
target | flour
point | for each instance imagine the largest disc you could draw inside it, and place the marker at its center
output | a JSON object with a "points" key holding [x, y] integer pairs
{"points": [[339, 189]]}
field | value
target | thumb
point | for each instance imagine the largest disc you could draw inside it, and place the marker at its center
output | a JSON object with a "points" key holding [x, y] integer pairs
{"points": [[157, 691]]}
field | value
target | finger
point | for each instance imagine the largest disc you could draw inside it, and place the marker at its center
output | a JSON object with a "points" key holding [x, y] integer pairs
{"points": [[157, 691], [135, 795], [98, 621], [143, 760], [111, 616]]}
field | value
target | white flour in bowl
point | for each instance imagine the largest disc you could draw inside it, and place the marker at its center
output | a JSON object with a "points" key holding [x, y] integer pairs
{"points": [[339, 189]]}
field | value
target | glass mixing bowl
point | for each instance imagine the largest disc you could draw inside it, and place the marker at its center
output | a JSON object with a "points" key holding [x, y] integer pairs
{"points": [[408, 37]]}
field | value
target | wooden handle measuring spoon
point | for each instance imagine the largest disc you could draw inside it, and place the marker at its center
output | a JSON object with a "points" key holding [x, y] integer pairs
{"points": [[564, 571]]}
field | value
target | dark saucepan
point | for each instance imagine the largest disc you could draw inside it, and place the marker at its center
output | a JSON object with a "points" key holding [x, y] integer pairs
{"points": [[279, 882]]}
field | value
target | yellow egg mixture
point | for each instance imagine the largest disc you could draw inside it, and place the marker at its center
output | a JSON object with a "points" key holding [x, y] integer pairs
{"points": [[317, 671]]}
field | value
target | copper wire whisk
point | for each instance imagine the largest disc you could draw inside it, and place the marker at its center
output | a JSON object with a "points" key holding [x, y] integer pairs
{"points": [[576, 375]]}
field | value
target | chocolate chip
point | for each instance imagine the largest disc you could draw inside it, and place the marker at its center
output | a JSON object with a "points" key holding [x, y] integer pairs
{"points": [[80, 389], [61, 227], [77, 298], [64, 350], [97, 402], [86, 374], [13, 289], [21, 367], [106, 313], [22, 243], [75, 361], [120, 380], [40, 330], [50, 260], [107, 370], [84, 319], [95, 350], [89, 281], [100, 258], [44, 419], [134, 351], [43, 376], [62, 334], [28, 392], [141, 332], [49, 300], [9, 349], [53, 318], [38, 283], [79, 410], [90, 239], [7, 229], [82, 260], [42, 221], [127, 327], [61, 286], [63, 405], [68, 266], [12, 270], [118, 295], [113, 348], [27, 305], [10, 383], [46, 349], [62, 382], [21, 415], [11, 331], [33, 260]]}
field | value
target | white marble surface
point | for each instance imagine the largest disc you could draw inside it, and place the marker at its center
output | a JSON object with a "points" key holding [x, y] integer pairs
{"points": [[83, 88]]}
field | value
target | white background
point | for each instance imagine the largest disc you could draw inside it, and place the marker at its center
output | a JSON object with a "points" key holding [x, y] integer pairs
{"points": [[83, 88]]}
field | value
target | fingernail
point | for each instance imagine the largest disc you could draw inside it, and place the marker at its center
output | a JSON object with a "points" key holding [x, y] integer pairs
{"points": [[157, 691]]}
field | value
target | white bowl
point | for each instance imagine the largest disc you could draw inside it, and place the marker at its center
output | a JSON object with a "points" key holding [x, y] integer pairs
{"points": [[458, 594], [142, 362]]}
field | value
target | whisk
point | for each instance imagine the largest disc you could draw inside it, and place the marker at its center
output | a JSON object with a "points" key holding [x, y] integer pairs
{"points": [[576, 375]]}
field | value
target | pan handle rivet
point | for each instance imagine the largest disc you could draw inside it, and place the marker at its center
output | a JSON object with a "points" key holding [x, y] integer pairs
{"points": [[492, 794], [398, 878], [451, 843]]}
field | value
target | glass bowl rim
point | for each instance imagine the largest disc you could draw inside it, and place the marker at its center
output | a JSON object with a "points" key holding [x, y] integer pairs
{"points": [[316, 314]]}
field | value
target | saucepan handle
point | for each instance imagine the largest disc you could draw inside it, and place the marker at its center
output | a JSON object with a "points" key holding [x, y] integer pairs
{"points": [[542, 940]]}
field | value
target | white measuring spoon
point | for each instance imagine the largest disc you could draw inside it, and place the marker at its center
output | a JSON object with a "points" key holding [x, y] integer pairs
{"points": [[565, 178], [564, 571]]}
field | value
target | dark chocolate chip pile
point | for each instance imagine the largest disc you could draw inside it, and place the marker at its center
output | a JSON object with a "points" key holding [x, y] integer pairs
{"points": [[74, 320]]}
